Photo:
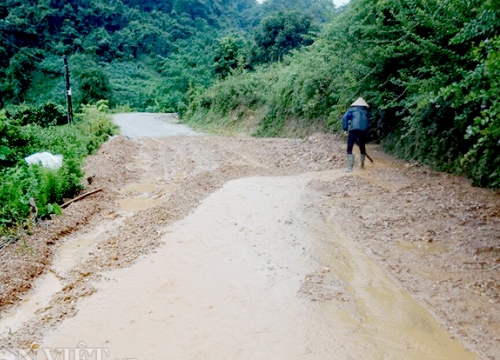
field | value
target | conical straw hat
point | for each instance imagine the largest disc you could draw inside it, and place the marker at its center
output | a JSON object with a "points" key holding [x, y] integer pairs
{"points": [[360, 102]]}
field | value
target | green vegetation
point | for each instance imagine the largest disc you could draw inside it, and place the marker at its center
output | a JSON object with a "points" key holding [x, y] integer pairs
{"points": [[19, 182], [146, 55], [429, 69], [280, 33]]}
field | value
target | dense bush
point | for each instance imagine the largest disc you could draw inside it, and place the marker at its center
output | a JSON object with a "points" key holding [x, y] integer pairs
{"points": [[16, 128], [20, 182], [482, 161], [48, 114], [13, 140]]}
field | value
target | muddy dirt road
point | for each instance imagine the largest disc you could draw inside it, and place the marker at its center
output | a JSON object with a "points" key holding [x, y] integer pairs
{"points": [[204, 247]]}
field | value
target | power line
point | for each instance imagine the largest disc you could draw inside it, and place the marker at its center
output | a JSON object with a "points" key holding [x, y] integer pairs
{"points": [[17, 47], [20, 49]]}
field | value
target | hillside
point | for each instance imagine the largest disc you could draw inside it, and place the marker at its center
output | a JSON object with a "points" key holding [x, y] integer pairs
{"points": [[429, 69], [142, 54]]}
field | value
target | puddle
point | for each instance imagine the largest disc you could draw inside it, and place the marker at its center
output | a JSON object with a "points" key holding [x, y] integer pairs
{"points": [[225, 285], [140, 188], [168, 189], [71, 252], [424, 248], [138, 203], [386, 314], [495, 326], [39, 298], [69, 255]]}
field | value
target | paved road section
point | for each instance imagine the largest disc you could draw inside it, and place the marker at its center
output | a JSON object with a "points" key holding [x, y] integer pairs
{"points": [[152, 125]]}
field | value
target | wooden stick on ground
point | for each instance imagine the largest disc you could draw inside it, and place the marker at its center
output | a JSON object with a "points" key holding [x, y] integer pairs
{"points": [[79, 198], [368, 156]]}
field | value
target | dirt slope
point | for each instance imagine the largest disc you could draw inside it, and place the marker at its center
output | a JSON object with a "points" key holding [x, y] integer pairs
{"points": [[438, 237]]}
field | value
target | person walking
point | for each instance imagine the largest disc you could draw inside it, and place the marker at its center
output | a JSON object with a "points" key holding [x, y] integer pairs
{"points": [[356, 122]]}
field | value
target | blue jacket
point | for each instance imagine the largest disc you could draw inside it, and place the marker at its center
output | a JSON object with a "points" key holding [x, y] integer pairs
{"points": [[356, 118]]}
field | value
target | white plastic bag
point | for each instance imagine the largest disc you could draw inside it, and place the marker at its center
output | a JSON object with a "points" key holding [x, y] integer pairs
{"points": [[46, 159]]}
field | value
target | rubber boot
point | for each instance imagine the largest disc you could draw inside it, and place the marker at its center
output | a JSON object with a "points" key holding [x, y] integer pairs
{"points": [[362, 161], [350, 162]]}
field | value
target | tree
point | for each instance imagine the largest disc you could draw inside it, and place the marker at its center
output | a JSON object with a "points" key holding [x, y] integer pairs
{"points": [[228, 55], [94, 86], [282, 32], [91, 80]]}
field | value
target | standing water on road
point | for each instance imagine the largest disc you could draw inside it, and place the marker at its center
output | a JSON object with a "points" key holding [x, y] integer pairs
{"points": [[252, 274]]}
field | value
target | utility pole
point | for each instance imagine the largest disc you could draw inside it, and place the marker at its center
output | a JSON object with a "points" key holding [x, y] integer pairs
{"points": [[68, 91]]}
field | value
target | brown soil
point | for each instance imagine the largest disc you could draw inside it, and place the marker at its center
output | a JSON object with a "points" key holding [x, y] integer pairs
{"points": [[437, 236]]}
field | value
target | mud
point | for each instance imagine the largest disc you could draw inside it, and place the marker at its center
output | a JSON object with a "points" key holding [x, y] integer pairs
{"points": [[226, 279], [393, 262]]}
